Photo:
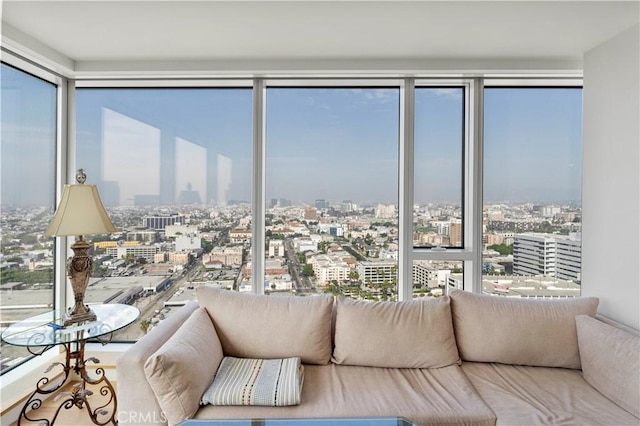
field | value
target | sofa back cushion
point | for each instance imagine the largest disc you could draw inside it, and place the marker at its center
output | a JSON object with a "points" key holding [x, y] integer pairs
{"points": [[184, 367], [610, 362], [258, 326], [518, 331], [412, 334]]}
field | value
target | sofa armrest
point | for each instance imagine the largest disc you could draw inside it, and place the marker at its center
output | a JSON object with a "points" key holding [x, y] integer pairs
{"points": [[137, 404], [610, 361]]}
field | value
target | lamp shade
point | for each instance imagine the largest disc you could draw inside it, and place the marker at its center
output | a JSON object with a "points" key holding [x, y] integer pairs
{"points": [[80, 212]]}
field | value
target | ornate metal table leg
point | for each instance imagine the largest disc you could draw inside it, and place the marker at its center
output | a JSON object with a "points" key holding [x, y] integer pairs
{"points": [[35, 400], [78, 396], [79, 393], [105, 390]]}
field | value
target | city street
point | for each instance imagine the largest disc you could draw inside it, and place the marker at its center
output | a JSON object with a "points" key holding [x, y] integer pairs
{"points": [[301, 283]]}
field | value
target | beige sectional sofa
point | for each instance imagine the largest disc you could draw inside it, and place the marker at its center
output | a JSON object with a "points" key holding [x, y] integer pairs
{"points": [[459, 359]]}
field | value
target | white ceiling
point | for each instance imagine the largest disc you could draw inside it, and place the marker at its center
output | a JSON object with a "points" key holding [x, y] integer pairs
{"points": [[98, 31]]}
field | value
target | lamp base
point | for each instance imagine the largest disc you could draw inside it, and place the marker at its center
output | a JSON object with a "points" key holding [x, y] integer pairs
{"points": [[75, 318]]}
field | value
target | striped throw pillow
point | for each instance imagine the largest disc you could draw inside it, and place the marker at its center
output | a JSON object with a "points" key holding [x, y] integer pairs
{"points": [[245, 381]]}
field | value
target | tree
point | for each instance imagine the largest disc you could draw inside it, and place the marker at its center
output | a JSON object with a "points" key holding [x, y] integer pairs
{"points": [[323, 245], [27, 277], [28, 239], [503, 249], [307, 270], [15, 259], [144, 326], [207, 246]]}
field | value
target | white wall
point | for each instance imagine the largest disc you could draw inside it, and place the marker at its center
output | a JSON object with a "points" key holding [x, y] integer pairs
{"points": [[611, 182]]}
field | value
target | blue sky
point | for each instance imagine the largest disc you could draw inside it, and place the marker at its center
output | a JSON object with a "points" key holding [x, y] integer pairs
{"points": [[533, 145], [333, 144], [329, 143], [27, 144]]}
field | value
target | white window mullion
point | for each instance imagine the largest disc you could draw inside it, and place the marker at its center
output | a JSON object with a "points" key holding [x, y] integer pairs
{"points": [[65, 156], [473, 184], [406, 176], [258, 188]]}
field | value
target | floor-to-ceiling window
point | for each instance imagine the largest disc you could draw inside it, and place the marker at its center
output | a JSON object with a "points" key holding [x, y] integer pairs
{"points": [[173, 167], [176, 165], [332, 191], [28, 129], [439, 188], [532, 191]]}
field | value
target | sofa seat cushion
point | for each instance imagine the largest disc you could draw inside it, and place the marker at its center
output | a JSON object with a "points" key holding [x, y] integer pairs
{"points": [[424, 396], [260, 326], [521, 395]]}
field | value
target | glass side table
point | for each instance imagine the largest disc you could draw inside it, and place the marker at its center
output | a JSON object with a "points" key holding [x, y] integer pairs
{"points": [[42, 332]]}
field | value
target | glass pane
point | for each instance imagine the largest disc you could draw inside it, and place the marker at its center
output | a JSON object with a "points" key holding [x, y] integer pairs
{"points": [[28, 158], [438, 163], [432, 277], [332, 191], [532, 191], [173, 167]]}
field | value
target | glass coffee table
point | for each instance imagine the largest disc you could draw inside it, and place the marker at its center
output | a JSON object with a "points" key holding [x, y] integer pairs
{"points": [[362, 421], [42, 332]]}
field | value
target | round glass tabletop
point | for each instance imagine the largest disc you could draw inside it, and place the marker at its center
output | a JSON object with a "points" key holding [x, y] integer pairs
{"points": [[47, 330]]}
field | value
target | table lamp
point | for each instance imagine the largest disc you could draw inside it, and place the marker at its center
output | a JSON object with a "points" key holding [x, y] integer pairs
{"points": [[80, 213]]}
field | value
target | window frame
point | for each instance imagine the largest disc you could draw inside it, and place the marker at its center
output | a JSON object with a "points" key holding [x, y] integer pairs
{"points": [[258, 253], [12, 377], [471, 252], [536, 82]]}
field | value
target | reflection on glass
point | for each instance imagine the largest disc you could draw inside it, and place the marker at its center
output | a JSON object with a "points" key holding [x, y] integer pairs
{"points": [[174, 169], [27, 156], [532, 192], [224, 176], [438, 164], [332, 191], [130, 160], [191, 172]]}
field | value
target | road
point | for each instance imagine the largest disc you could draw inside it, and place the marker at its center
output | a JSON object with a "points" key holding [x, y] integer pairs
{"points": [[150, 304], [301, 283]]}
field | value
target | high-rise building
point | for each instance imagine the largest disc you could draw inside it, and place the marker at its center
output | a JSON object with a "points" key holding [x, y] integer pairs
{"points": [[284, 202], [187, 243], [385, 211], [310, 214], [548, 254], [377, 272], [534, 254], [569, 257], [148, 252], [321, 204], [276, 248], [455, 233], [160, 222], [427, 275]]}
